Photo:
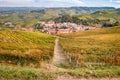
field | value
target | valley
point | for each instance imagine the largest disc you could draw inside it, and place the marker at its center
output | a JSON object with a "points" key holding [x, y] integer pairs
{"points": [[75, 43]]}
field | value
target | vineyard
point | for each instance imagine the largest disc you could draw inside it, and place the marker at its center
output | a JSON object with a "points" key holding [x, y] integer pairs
{"points": [[91, 54], [25, 48], [83, 49], [99, 47]]}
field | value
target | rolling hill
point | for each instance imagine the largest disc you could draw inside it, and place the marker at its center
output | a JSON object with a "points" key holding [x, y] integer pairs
{"points": [[102, 18], [93, 47], [28, 16], [25, 48], [92, 54]]}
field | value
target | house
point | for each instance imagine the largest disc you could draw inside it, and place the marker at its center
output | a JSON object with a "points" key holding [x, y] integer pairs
{"points": [[52, 31], [63, 31], [9, 24]]}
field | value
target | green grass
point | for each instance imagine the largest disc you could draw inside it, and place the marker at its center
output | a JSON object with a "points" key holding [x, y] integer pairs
{"points": [[113, 71], [20, 47], [93, 47], [26, 73]]}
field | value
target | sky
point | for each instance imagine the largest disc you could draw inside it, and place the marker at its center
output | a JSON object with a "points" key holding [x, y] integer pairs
{"points": [[59, 3]]}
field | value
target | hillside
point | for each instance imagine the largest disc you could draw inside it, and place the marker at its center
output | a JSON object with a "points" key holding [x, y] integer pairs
{"points": [[25, 48], [28, 16], [93, 54], [104, 15], [78, 10], [93, 47], [102, 18]]}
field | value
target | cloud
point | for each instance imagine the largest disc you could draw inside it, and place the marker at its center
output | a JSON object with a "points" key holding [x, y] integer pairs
{"points": [[16, 3], [115, 1], [118, 1], [111, 0], [42, 3], [58, 3]]}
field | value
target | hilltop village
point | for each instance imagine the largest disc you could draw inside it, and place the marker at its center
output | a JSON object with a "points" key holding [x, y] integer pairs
{"points": [[51, 27], [56, 28]]}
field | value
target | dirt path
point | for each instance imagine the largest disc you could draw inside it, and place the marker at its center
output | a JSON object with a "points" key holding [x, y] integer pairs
{"points": [[59, 55], [59, 58]]}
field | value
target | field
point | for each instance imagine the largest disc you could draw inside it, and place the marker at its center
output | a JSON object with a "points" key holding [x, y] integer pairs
{"points": [[91, 53], [25, 48], [90, 48]]}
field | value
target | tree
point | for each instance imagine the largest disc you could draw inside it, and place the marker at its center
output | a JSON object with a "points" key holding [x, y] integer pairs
{"points": [[38, 26], [117, 23]]}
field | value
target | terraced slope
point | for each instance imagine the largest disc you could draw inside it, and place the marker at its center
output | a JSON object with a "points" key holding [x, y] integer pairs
{"points": [[25, 48], [93, 47], [94, 54]]}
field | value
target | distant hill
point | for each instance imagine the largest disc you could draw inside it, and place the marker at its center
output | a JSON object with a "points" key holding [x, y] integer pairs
{"points": [[118, 9], [81, 10], [19, 8], [102, 18], [28, 16], [76, 9]]}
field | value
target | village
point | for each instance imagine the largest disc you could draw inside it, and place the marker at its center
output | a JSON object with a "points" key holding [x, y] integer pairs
{"points": [[51, 27], [56, 28]]}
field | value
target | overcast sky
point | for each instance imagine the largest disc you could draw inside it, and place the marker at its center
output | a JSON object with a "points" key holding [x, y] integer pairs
{"points": [[59, 3]]}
